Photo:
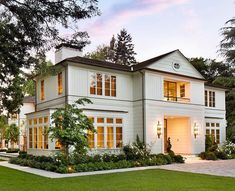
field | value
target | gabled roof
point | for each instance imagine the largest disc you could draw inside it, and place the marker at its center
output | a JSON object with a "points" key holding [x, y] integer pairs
{"points": [[99, 63], [150, 61]]}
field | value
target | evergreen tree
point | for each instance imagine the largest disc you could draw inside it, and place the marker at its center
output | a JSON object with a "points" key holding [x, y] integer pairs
{"points": [[227, 45], [124, 54]]}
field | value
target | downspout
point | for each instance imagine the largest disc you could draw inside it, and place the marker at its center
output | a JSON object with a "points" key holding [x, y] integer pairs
{"points": [[143, 104]]}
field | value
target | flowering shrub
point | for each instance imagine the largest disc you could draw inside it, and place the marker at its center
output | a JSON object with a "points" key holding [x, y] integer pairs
{"points": [[136, 150], [228, 148]]}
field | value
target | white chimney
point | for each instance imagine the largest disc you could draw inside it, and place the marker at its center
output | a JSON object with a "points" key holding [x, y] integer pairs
{"points": [[66, 51]]}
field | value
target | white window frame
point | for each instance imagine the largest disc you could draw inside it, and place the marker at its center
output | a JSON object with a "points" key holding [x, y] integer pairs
{"points": [[103, 84]]}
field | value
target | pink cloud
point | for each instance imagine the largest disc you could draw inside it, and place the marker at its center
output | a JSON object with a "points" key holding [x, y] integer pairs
{"points": [[121, 14]]}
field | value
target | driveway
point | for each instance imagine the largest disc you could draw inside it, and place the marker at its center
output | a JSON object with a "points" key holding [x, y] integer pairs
{"points": [[218, 168]]}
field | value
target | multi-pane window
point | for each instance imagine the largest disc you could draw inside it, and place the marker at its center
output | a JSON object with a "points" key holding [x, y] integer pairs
{"points": [[35, 138], [45, 137], [102, 84], [209, 98], [182, 90], [30, 138], [37, 133], [42, 90], [108, 133], [60, 83], [213, 130], [170, 90], [100, 137], [40, 142], [206, 98]]}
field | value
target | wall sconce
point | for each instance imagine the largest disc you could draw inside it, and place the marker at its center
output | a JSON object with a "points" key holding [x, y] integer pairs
{"points": [[195, 130], [159, 129]]}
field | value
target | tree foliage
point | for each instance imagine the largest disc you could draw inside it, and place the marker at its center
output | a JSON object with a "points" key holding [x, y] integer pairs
{"points": [[222, 74], [124, 53], [211, 69], [70, 126], [3, 127], [120, 50], [28, 28], [12, 133], [227, 45]]}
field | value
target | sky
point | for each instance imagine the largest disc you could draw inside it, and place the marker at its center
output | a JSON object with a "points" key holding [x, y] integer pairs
{"points": [[160, 26]]}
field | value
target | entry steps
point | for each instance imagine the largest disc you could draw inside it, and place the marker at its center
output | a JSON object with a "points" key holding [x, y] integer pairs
{"points": [[192, 159], [7, 156]]}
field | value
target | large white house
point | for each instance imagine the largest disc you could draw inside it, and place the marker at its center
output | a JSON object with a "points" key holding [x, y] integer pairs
{"points": [[159, 98]]}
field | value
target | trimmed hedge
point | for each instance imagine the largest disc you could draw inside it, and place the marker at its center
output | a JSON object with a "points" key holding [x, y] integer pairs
{"points": [[87, 163]]}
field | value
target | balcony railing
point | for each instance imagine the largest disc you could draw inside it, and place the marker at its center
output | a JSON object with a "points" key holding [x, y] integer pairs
{"points": [[177, 99]]}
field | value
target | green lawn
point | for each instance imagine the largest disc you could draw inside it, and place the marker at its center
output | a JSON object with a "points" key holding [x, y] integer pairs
{"points": [[149, 180]]}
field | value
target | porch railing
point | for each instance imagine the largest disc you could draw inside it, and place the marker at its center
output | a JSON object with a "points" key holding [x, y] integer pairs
{"points": [[177, 99]]}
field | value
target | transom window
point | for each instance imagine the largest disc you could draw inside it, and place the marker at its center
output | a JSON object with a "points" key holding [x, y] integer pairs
{"points": [[102, 84], [109, 133], [37, 133], [209, 98], [213, 130]]}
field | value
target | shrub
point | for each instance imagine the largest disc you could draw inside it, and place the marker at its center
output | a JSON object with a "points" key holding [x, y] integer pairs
{"points": [[221, 155], [208, 142], [202, 155], [12, 151], [210, 156], [136, 150], [3, 150], [178, 159]]}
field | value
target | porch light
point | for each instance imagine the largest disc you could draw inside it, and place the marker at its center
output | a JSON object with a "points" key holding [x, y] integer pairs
{"points": [[195, 130], [159, 129]]}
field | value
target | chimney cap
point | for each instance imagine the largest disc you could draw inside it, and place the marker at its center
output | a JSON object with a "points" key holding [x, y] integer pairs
{"points": [[68, 46]]}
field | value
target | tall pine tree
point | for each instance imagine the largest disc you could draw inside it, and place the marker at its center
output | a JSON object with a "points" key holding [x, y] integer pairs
{"points": [[124, 54]]}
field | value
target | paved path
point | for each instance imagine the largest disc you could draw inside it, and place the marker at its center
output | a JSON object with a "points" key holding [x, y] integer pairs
{"points": [[218, 168]]}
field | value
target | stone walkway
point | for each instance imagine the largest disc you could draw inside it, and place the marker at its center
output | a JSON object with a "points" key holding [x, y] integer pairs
{"points": [[217, 168]]}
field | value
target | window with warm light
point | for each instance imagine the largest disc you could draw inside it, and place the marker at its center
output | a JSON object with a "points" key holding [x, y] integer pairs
{"points": [[60, 83], [45, 137], [108, 133], [42, 92], [110, 137], [30, 138], [100, 137], [37, 134], [170, 90], [35, 138], [40, 138]]}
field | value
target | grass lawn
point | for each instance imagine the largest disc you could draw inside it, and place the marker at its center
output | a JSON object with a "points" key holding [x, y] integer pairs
{"points": [[148, 180]]}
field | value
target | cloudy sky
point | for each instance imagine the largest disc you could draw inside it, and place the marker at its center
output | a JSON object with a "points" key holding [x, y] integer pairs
{"points": [[159, 26]]}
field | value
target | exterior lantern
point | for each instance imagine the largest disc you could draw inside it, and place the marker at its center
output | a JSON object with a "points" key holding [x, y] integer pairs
{"points": [[159, 129], [195, 130]]}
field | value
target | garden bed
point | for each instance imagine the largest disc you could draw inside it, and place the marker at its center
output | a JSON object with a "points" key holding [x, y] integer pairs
{"points": [[87, 163]]}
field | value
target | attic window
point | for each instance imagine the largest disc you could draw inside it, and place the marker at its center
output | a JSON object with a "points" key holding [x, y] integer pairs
{"points": [[176, 66]]}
